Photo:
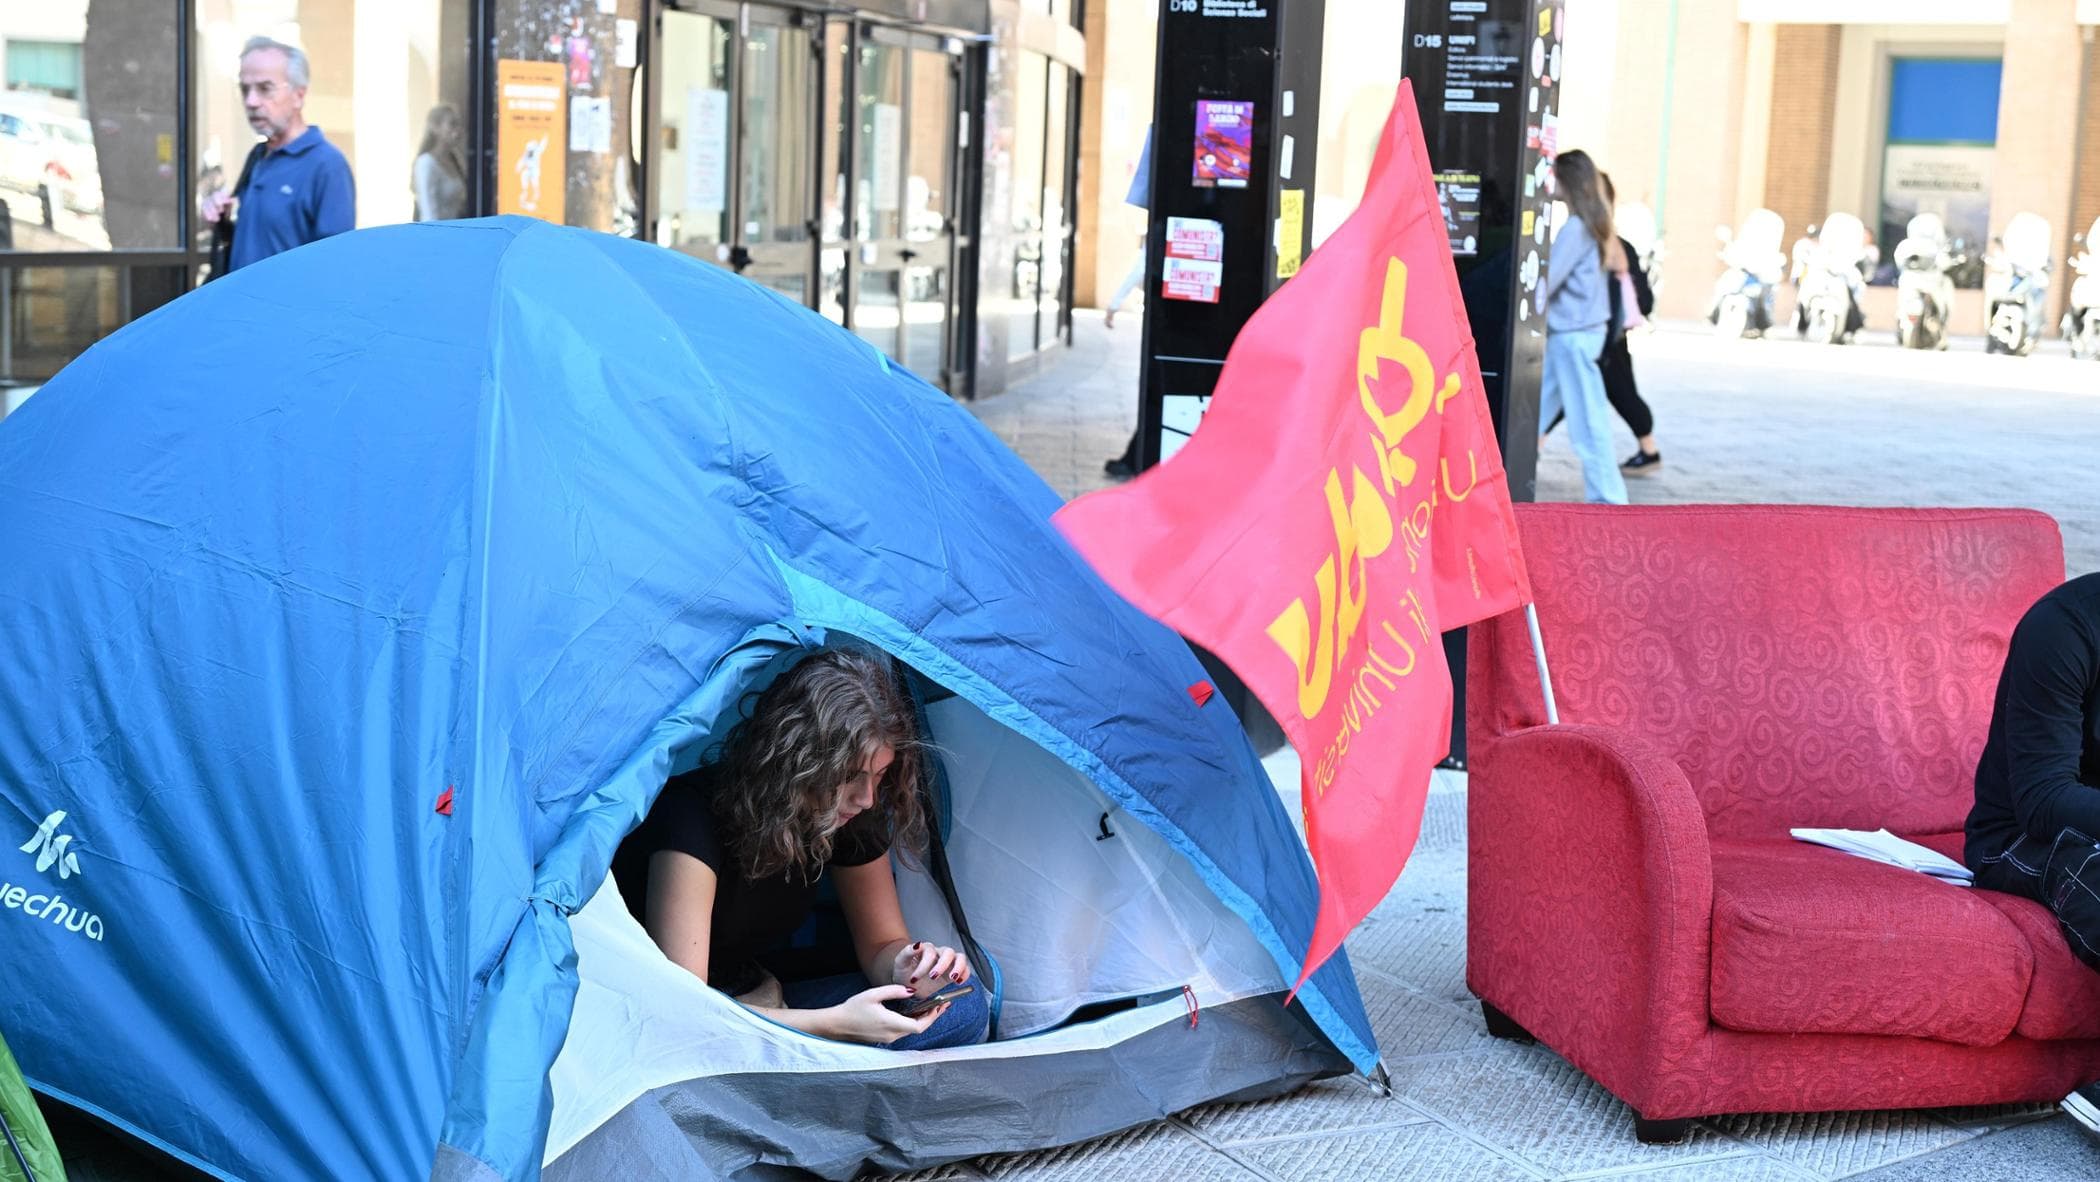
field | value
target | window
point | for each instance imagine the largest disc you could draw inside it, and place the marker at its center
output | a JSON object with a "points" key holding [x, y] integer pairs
{"points": [[50, 67], [87, 127], [388, 86]]}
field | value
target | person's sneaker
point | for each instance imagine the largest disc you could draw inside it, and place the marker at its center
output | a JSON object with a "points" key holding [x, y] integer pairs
{"points": [[2083, 1107], [1643, 463], [1119, 469]]}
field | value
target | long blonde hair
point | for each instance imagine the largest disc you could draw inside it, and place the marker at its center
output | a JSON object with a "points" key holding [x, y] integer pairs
{"points": [[1576, 175]]}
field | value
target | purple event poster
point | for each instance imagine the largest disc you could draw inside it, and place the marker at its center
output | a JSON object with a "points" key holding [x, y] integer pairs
{"points": [[1224, 144]]}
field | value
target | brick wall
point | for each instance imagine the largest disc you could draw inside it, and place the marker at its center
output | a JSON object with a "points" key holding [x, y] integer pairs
{"points": [[1804, 110], [2085, 201]]}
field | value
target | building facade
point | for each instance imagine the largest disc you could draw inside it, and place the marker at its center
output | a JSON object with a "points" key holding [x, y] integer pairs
{"points": [[1705, 110], [1972, 109], [905, 167]]}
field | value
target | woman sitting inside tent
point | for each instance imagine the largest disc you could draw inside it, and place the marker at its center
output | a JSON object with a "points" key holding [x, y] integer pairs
{"points": [[823, 774]]}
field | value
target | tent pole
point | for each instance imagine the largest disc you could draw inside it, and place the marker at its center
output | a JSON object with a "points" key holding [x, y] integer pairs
{"points": [[21, 1158], [1538, 652]]}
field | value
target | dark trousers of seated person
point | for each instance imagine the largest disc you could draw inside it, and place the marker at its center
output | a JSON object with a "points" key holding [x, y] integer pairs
{"points": [[964, 1024], [2063, 876]]}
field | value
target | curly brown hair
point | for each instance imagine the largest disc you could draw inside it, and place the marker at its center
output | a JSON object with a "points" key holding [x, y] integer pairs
{"points": [[808, 734]]}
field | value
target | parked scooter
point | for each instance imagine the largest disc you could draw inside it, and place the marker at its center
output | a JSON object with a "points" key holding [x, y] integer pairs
{"points": [[1925, 288], [2016, 285], [1829, 308], [2082, 318], [1742, 298]]}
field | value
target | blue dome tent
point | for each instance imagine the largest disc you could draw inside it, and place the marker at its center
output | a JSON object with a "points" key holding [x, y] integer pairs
{"points": [[354, 609]]}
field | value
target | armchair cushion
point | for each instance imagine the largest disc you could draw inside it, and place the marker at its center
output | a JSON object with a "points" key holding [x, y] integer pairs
{"points": [[2064, 1000], [1807, 940]]}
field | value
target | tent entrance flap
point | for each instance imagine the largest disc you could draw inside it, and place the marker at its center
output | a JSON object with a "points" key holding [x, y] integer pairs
{"points": [[1073, 917]]}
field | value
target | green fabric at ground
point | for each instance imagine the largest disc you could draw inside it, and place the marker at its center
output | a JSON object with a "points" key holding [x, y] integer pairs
{"points": [[25, 1138]]}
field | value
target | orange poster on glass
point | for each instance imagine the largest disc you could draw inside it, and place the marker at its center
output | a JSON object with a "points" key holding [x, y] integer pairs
{"points": [[532, 145]]}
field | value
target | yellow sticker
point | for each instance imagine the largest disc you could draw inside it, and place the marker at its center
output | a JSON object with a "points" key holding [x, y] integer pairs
{"points": [[164, 148], [1528, 223], [1545, 21], [1290, 233]]}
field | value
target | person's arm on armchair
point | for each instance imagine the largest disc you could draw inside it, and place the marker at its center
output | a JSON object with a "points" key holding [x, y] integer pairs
{"points": [[2049, 672]]}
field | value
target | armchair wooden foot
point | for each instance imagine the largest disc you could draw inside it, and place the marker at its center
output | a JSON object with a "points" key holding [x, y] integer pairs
{"points": [[1501, 1025], [1661, 1132]]}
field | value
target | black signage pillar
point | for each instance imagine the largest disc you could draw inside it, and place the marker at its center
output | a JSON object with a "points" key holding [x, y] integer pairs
{"points": [[1486, 77], [1236, 119], [1235, 122]]}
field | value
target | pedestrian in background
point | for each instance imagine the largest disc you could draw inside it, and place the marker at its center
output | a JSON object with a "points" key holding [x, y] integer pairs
{"points": [[1633, 301], [1578, 316], [441, 167], [295, 187], [1124, 466]]}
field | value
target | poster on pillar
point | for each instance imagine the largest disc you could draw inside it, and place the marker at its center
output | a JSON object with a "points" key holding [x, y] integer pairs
{"points": [[532, 142]]}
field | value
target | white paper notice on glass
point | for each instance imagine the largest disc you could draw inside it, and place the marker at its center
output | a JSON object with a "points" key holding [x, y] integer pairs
{"points": [[706, 149], [625, 33], [590, 124], [889, 148]]}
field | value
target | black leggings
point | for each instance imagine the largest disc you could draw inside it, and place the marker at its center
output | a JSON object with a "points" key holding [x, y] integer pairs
{"points": [[1616, 364]]}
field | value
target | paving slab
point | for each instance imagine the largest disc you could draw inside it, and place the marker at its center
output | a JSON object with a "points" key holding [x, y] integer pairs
{"points": [[1424, 1152]]}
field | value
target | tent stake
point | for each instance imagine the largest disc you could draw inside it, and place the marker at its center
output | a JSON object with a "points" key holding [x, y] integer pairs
{"points": [[1538, 652]]}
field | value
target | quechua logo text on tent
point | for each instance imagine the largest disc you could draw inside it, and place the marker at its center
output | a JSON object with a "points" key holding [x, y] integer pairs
{"points": [[53, 852]]}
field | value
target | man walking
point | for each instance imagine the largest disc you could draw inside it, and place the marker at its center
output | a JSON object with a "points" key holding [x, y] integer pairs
{"points": [[296, 187], [2035, 830]]}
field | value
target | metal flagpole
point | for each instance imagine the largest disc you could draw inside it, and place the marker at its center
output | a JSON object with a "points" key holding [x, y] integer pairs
{"points": [[1538, 652]]}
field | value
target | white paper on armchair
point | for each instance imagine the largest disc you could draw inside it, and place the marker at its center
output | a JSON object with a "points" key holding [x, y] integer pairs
{"points": [[1882, 846]]}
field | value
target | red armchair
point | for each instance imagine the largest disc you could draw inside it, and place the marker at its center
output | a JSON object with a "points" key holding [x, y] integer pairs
{"points": [[1724, 674]]}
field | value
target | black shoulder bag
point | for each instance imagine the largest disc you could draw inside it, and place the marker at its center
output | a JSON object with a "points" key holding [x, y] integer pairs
{"points": [[222, 230]]}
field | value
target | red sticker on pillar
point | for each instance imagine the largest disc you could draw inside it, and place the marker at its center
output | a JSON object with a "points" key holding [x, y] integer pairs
{"points": [[1194, 266]]}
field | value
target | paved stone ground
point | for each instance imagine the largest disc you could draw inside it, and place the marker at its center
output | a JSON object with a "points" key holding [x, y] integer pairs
{"points": [[1756, 421]]}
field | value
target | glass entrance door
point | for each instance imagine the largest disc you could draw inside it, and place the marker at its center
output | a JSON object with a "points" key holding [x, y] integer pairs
{"points": [[739, 103], [820, 156], [904, 121], [776, 193]]}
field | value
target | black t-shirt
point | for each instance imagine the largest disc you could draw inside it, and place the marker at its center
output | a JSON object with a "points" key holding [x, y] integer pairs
{"points": [[751, 916], [2041, 762]]}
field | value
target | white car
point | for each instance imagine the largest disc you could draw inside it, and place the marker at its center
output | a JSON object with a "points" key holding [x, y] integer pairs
{"points": [[52, 156]]}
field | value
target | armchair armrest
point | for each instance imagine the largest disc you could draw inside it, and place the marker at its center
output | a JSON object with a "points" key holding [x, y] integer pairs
{"points": [[1590, 901]]}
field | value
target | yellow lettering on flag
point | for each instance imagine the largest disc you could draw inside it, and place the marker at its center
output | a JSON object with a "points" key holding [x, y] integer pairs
{"points": [[1387, 343]]}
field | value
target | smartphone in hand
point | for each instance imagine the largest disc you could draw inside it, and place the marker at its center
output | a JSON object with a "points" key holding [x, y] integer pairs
{"points": [[912, 1007]]}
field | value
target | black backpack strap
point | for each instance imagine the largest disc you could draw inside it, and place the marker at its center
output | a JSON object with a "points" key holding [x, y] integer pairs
{"points": [[222, 230]]}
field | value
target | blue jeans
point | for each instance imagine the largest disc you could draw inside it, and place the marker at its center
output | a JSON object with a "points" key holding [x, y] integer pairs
{"points": [[964, 1024], [1574, 384]]}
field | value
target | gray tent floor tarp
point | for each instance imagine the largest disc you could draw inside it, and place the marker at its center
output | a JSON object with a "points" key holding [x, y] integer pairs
{"points": [[840, 1125]]}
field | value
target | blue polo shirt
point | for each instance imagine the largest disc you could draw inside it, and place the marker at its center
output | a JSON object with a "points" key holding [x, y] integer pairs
{"points": [[298, 194]]}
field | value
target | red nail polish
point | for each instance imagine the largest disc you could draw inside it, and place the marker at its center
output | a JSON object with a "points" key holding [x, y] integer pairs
{"points": [[913, 981]]}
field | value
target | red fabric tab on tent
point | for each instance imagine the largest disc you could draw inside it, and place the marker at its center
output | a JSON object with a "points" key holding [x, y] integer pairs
{"points": [[1342, 505]]}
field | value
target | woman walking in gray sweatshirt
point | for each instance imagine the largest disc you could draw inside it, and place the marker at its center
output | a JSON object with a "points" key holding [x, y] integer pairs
{"points": [[1578, 314]]}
